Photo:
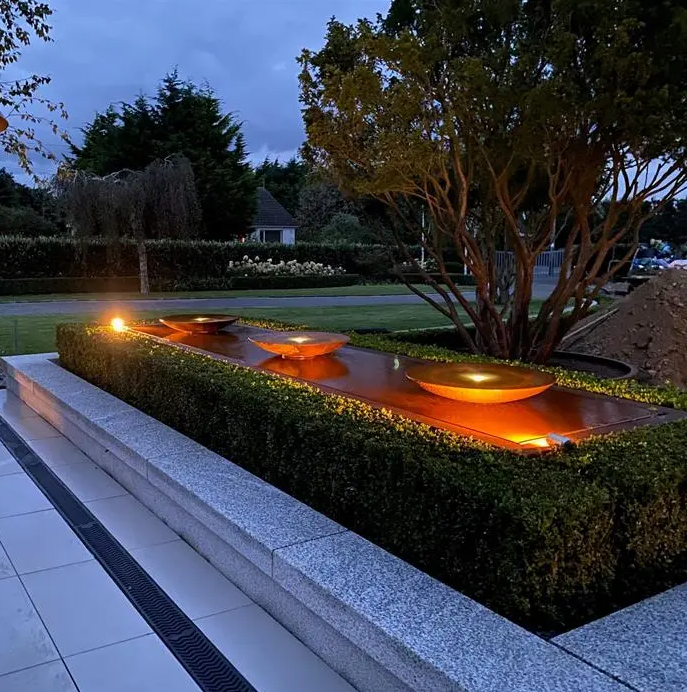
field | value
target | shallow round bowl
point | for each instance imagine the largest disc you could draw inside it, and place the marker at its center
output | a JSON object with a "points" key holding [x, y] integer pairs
{"points": [[198, 324], [300, 345], [480, 383]]}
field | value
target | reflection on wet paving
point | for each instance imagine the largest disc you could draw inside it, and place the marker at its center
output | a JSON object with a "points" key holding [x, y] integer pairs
{"points": [[379, 379]]}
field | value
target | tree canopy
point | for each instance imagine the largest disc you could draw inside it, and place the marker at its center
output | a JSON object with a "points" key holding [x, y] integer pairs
{"points": [[508, 122], [181, 119], [284, 180], [20, 102], [158, 201]]}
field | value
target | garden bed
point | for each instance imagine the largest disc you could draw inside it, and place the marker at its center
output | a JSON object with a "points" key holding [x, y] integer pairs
{"points": [[549, 542]]}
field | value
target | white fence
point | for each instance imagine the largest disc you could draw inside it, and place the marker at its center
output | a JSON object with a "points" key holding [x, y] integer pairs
{"points": [[548, 263]]}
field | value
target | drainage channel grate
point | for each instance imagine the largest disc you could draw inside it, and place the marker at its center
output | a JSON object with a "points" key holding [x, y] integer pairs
{"points": [[209, 668]]}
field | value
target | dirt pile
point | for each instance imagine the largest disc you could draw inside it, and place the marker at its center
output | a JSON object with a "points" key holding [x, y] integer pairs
{"points": [[648, 330]]}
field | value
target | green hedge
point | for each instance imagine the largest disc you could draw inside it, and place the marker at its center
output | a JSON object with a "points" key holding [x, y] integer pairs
{"points": [[550, 541], [69, 284], [175, 260], [107, 284]]}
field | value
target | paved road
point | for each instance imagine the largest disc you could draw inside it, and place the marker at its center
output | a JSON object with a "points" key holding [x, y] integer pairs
{"points": [[69, 307]]}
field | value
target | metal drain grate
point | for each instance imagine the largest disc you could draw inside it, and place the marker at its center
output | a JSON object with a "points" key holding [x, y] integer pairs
{"points": [[209, 668]]}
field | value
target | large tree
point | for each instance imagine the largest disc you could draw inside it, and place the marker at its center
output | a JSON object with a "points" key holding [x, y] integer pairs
{"points": [[508, 122], [284, 180], [158, 201], [20, 100], [182, 119]]}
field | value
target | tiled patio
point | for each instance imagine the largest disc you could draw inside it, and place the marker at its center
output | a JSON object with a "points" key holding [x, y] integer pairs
{"points": [[65, 625]]}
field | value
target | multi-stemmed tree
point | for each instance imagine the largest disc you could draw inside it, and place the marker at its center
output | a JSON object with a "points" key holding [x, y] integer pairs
{"points": [[509, 123]]}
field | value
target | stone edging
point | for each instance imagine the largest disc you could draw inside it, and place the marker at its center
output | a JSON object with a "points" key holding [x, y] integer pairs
{"points": [[382, 624]]}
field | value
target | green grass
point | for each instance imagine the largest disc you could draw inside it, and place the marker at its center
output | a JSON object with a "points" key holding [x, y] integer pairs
{"points": [[36, 333], [358, 290]]}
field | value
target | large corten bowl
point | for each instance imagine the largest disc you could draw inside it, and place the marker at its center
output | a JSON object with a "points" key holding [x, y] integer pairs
{"points": [[480, 383], [198, 324], [299, 345]]}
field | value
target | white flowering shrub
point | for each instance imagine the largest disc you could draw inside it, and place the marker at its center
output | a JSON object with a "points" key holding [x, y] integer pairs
{"points": [[258, 267]]}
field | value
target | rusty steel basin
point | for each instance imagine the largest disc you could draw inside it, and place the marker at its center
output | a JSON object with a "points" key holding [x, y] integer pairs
{"points": [[198, 324], [480, 383], [299, 345]]}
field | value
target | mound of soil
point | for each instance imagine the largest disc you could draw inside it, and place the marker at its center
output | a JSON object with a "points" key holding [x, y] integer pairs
{"points": [[648, 330]]}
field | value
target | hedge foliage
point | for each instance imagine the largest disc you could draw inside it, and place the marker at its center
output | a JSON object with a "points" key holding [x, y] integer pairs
{"points": [[173, 260], [124, 284], [550, 541]]}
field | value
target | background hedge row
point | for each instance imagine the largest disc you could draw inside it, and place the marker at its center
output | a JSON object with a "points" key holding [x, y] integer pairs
{"points": [[131, 284], [171, 259], [550, 542]]}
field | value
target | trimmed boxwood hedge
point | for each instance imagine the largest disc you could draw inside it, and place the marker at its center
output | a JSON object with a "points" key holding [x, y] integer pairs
{"points": [[123, 284], [174, 260], [551, 541]]}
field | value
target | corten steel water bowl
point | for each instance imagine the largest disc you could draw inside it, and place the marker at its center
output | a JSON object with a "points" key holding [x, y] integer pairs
{"points": [[480, 383], [198, 324], [300, 345]]}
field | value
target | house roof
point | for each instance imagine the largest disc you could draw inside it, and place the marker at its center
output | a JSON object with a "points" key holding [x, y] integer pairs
{"points": [[270, 214]]}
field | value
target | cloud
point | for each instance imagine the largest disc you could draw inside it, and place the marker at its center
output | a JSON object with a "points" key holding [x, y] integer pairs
{"points": [[110, 52]]}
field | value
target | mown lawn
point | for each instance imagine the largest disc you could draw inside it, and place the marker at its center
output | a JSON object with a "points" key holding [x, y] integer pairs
{"points": [[36, 333], [358, 290]]}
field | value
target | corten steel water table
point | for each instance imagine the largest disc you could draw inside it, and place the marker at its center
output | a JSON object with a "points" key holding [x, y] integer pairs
{"points": [[380, 380]]}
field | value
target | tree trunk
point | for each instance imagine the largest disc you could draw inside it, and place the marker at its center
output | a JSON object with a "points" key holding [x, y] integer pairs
{"points": [[143, 266]]}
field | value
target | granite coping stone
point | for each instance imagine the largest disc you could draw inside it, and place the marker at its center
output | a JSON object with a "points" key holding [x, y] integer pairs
{"points": [[430, 637], [644, 645], [252, 516], [439, 635]]}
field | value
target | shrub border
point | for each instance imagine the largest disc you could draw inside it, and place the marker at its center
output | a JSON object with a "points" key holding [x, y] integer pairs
{"points": [[619, 495]]}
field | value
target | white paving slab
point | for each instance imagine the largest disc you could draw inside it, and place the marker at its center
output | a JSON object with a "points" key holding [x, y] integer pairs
{"points": [[89, 482], [82, 607], [24, 641], [8, 464], [267, 655], [40, 540], [19, 495], [34, 428], [58, 451], [13, 408], [131, 523], [193, 583], [138, 665], [49, 677], [6, 569]]}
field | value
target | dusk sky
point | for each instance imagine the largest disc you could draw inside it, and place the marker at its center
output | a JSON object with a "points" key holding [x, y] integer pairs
{"points": [[105, 52]]}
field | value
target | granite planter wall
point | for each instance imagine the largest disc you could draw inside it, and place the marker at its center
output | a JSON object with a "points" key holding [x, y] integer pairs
{"points": [[380, 623]]}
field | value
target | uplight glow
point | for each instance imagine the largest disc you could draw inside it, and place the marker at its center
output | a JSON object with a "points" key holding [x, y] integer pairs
{"points": [[479, 377], [118, 324]]}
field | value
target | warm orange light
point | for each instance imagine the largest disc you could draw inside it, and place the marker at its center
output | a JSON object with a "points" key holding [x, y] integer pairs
{"points": [[299, 345], [540, 442], [118, 324], [480, 383], [479, 377]]}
